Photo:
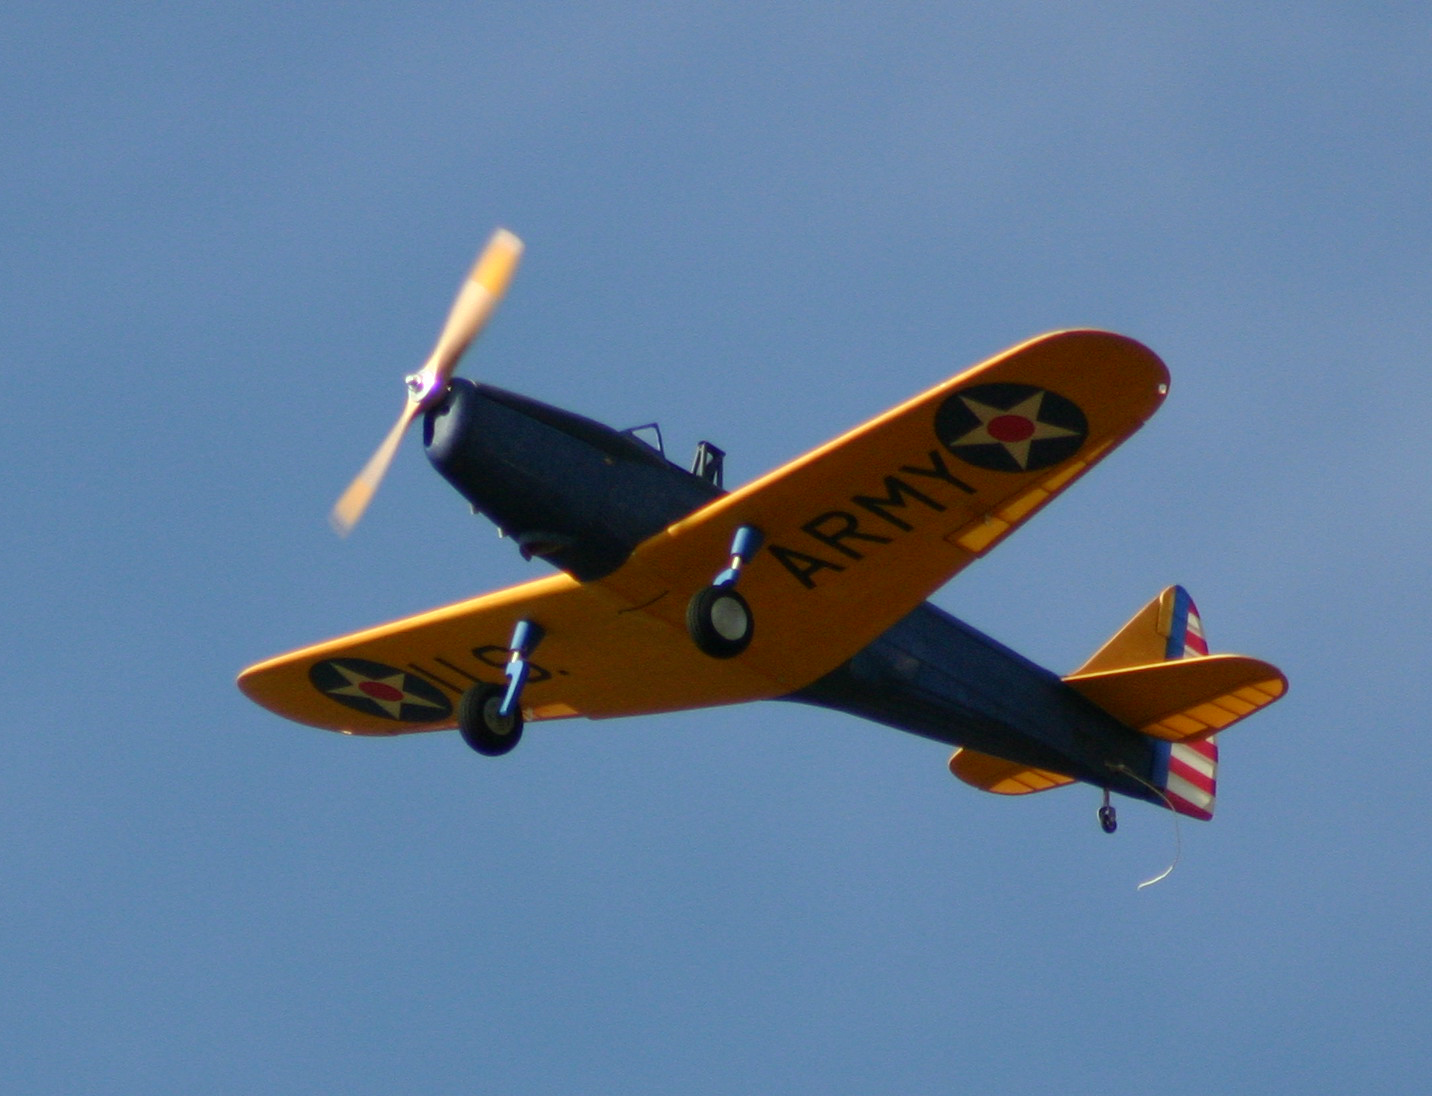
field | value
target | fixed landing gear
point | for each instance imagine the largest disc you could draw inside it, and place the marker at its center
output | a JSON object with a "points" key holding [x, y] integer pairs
{"points": [[720, 622], [718, 618], [1108, 817], [483, 726], [489, 717]]}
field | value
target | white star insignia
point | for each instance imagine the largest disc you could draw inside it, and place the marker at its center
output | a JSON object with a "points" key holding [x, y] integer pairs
{"points": [[388, 693], [1016, 429]]}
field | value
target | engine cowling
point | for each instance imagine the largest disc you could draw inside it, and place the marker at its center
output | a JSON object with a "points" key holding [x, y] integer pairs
{"points": [[571, 490]]}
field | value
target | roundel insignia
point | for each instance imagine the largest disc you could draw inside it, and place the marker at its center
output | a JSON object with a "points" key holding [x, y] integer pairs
{"points": [[1010, 427], [378, 690]]}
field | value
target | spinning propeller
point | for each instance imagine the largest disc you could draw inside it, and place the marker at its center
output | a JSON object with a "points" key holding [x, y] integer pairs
{"points": [[471, 309]]}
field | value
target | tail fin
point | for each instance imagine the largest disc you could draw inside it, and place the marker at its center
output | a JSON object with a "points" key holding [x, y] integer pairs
{"points": [[1165, 629], [1190, 776], [1184, 708], [1190, 769]]}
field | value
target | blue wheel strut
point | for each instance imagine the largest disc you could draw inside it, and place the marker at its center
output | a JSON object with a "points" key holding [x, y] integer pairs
{"points": [[745, 544], [525, 638]]}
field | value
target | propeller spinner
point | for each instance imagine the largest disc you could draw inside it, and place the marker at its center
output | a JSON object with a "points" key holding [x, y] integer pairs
{"points": [[471, 309]]}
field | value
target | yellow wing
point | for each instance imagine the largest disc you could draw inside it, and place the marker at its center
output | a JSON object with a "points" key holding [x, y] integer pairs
{"points": [[600, 657], [865, 528], [857, 533]]}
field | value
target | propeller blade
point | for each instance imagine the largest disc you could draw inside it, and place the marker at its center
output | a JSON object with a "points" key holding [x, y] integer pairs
{"points": [[471, 309], [351, 504]]}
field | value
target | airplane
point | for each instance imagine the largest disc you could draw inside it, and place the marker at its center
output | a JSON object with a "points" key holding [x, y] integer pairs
{"points": [[809, 584]]}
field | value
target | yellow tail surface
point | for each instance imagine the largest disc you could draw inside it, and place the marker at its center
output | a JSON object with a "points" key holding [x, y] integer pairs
{"points": [[1148, 637], [1185, 700], [1003, 777], [1156, 676]]}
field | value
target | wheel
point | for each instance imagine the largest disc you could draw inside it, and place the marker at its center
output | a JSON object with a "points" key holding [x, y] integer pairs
{"points": [[720, 621], [1108, 819], [480, 725]]}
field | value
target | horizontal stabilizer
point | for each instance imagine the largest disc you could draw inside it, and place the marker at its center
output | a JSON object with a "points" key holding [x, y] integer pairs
{"points": [[1186, 699], [1003, 777]]}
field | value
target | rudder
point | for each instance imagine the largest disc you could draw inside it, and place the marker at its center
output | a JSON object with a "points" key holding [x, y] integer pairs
{"points": [[1190, 769]]}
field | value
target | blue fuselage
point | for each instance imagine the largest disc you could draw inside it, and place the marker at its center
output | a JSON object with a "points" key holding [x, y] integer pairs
{"points": [[935, 676]]}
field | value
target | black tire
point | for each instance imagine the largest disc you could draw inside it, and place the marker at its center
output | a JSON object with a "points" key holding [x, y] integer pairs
{"points": [[480, 725], [720, 622], [1108, 820]]}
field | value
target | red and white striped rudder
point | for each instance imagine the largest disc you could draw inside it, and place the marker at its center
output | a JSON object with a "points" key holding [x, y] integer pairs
{"points": [[1190, 769]]}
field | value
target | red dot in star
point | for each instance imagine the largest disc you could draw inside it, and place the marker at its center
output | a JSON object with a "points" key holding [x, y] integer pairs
{"points": [[378, 690], [1010, 428]]}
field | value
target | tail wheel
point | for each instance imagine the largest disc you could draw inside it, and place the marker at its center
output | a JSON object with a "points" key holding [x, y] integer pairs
{"points": [[720, 622], [480, 725]]}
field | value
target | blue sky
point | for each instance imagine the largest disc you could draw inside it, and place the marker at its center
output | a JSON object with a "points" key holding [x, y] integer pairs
{"points": [[231, 229]]}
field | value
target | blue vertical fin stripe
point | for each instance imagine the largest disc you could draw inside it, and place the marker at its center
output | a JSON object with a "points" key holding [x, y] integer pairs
{"points": [[1173, 649], [1158, 766], [1178, 629]]}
